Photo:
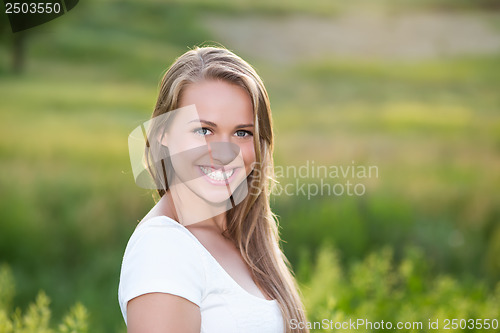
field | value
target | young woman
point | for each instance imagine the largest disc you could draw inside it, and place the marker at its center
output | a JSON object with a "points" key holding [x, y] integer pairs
{"points": [[206, 258]]}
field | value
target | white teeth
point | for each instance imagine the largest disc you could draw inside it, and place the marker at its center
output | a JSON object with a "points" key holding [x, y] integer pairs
{"points": [[218, 175]]}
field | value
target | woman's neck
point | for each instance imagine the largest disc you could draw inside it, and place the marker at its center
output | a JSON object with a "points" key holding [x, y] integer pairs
{"points": [[187, 208]]}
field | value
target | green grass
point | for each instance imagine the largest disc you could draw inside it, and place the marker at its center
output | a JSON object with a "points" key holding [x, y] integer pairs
{"points": [[377, 289]]}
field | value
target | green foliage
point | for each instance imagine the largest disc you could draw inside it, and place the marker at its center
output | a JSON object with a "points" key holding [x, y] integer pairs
{"points": [[37, 317], [75, 321], [377, 288], [7, 287]]}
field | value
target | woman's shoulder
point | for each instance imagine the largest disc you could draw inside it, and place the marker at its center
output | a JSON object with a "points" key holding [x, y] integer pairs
{"points": [[158, 220], [161, 257], [160, 238]]}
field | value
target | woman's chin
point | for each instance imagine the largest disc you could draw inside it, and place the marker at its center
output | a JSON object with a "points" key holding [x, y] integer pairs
{"points": [[215, 199]]}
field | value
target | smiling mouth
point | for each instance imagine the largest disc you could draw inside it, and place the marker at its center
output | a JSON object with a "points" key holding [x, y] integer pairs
{"points": [[216, 174]]}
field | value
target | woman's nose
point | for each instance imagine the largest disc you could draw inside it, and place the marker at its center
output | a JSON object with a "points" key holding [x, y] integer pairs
{"points": [[223, 153]]}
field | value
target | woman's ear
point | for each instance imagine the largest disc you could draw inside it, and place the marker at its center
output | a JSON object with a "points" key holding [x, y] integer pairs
{"points": [[163, 139]]}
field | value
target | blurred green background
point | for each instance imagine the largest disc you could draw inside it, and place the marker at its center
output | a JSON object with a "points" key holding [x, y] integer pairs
{"points": [[409, 86]]}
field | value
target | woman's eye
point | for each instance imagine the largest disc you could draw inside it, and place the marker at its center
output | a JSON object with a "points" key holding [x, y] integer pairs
{"points": [[202, 131], [243, 133]]}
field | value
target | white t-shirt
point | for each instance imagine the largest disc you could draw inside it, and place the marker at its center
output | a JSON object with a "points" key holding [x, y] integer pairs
{"points": [[163, 256]]}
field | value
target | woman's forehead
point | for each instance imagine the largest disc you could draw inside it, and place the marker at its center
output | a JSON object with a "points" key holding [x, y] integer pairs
{"points": [[218, 102]]}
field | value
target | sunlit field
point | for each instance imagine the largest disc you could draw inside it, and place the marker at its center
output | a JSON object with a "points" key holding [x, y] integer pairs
{"points": [[421, 242]]}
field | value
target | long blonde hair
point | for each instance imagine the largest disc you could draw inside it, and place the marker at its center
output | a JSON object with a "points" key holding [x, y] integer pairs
{"points": [[251, 224]]}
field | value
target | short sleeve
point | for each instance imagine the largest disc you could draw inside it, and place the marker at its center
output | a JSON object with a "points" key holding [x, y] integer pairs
{"points": [[161, 257]]}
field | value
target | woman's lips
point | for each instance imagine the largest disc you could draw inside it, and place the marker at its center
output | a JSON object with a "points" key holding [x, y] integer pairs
{"points": [[218, 176]]}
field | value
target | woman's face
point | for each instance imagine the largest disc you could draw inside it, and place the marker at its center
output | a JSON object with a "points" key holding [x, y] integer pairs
{"points": [[210, 139]]}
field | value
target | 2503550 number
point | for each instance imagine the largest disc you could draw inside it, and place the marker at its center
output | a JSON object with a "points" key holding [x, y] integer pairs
{"points": [[32, 8], [453, 324]]}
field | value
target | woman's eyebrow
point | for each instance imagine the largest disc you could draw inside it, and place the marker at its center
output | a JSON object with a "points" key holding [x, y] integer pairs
{"points": [[244, 126], [215, 125], [203, 121]]}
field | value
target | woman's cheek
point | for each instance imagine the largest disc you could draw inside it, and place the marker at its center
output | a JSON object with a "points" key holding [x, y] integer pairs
{"points": [[248, 153]]}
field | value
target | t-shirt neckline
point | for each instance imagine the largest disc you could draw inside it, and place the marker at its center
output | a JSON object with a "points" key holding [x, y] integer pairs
{"points": [[215, 260]]}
